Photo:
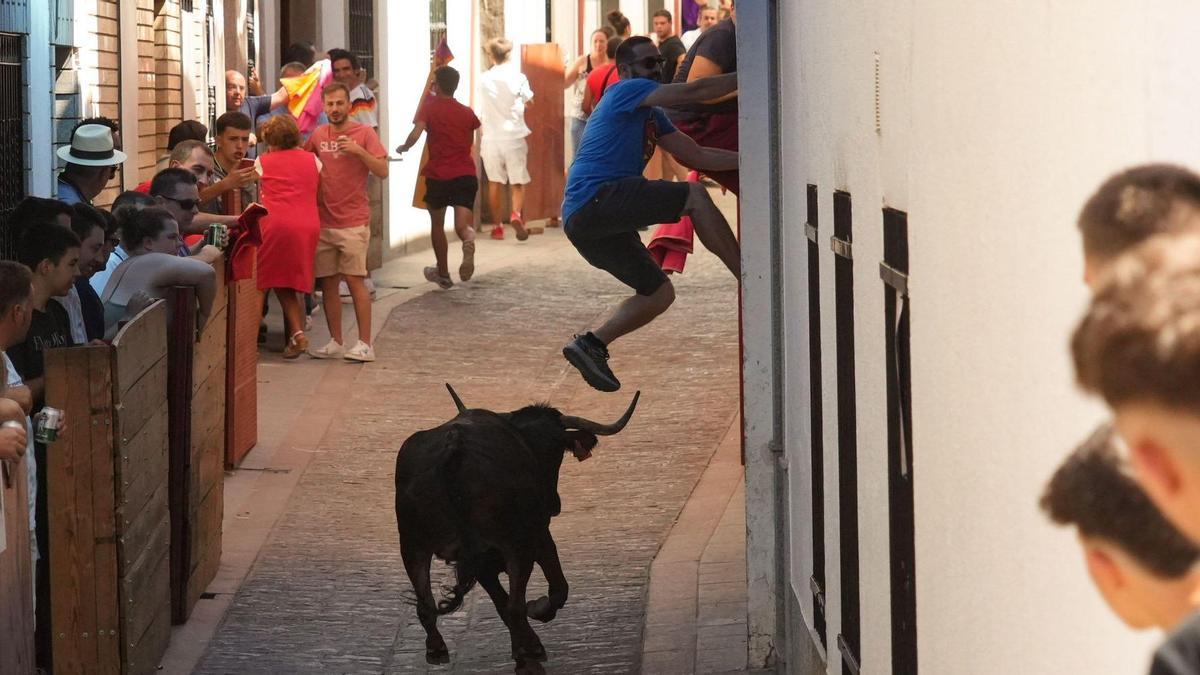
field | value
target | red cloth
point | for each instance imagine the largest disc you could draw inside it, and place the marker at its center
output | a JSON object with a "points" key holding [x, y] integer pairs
{"points": [[290, 230], [597, 78], [343, 200], [143, 188], [244, 236], [672, 242], [451, 127], [718, 130]]}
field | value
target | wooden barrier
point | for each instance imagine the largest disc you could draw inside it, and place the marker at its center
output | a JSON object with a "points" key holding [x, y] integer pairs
{"points": [[241, 371], [16, 574], [108, 516], [543, 65], [196, 400]]}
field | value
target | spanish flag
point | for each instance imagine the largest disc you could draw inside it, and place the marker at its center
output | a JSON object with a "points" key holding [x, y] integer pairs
{"points": [[304, 91]]}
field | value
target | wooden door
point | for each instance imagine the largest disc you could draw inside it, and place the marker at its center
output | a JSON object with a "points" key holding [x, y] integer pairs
{"points": [[543, 65]]}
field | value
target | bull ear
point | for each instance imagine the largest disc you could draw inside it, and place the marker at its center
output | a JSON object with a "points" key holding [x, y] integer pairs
{"points": [[457, 401]]}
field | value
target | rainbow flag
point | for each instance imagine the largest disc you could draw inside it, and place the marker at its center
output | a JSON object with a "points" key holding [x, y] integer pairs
{"points": [[305, 103]]}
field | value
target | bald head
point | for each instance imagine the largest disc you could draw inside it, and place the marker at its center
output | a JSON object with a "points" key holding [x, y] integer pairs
{"points": [[235, 90]]}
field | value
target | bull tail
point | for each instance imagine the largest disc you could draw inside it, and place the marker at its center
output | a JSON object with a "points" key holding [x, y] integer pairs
{"points": [[464, 572], [464, 582]]}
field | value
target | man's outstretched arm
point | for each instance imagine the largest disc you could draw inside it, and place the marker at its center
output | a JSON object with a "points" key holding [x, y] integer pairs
{"points": [[696, 91], [694, 156]]}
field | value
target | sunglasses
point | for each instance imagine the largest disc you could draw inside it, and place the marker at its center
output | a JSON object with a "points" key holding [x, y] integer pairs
{"points": [[185, 204], [651, 61]]}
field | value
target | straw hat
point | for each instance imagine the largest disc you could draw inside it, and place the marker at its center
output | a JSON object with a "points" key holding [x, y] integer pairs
{"points": [[91, 145]]}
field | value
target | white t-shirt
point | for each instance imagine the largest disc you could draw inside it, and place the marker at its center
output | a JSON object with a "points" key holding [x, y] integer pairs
{"points": [[503, 92], [689, 38], [14, 380], [74, 307]]}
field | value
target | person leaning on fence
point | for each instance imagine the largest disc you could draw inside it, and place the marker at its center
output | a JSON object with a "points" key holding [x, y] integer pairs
{"points": [[83, 303], [176, 191], [153, 268], [289, 183], [129, 200], [232, 142]]}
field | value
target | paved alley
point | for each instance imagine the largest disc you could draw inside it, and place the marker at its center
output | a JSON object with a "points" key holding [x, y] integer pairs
{"points": [[328, 593]]}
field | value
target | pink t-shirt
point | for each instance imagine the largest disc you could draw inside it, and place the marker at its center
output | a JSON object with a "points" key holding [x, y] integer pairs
{"points": [[342, 197]]}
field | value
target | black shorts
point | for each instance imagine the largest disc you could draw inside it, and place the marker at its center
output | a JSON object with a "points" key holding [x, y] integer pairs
{"points": [[453, 192], [605, 230]]}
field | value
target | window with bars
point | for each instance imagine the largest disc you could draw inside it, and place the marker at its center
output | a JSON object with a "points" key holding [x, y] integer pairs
{"points": [[901, 519], [849, 640], [362, 34], [12, 134], [437, 25]]}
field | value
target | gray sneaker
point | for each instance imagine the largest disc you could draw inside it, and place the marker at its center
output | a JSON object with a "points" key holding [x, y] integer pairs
{"points": [[592, 363]]}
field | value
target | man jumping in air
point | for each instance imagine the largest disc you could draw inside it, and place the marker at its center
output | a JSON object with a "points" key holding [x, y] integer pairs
{"points": [[607, 200]]}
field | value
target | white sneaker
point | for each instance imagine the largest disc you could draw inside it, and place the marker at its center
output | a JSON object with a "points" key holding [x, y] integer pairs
{"points": [[330, 351], [361, 352]]}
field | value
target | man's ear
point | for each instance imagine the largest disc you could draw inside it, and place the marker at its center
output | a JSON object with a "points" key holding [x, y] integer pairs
{"points": [[1155, 468], [1104, 570]]}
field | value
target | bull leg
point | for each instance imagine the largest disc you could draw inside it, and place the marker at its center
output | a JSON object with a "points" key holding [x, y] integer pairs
{"points": [[545, 608], [527, 648], [416, 563], [489, 578]]}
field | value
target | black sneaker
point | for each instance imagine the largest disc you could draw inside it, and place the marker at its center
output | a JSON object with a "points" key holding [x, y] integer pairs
{"points": [[591, 360]]}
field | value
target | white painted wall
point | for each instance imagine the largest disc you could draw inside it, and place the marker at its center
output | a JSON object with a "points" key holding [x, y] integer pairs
{"points": [[331, 27], [525, 24], [41, 100], [402, 48], [997, 121]]}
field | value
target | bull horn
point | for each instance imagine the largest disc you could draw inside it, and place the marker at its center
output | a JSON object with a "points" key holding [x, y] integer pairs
{"points": [[457, 401], [582, 424]]}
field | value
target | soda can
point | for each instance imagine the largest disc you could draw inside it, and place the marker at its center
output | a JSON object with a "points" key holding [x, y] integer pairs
{"points": [[48, 423]]}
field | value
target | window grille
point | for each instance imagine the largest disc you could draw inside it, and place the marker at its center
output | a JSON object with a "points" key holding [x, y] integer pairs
{"points": [[437, 25], [362, 34], [12, 134]]}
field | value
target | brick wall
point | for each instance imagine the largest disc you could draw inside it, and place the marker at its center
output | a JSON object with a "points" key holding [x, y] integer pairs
{"points": [[168, 61], [106, 95]]}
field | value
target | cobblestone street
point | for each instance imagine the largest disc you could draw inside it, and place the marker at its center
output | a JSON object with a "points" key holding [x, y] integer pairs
{"points": [[328, 593]]}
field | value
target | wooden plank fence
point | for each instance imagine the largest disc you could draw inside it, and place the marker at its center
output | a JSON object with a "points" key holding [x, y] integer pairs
{"points": [[197, 400], [16, 574], [109, 525]]}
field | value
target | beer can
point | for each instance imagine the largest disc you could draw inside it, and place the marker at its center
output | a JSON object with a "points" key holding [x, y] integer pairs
{"points": [[48, 423], [215, 236]]}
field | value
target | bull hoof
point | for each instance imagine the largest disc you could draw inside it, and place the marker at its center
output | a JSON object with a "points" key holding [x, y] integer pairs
{"points": [[535, 653], [437, 656], [530, 668], [541, 609]]}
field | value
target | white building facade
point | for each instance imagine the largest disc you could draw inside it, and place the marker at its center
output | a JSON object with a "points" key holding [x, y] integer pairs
{"points": [[912, 175]]}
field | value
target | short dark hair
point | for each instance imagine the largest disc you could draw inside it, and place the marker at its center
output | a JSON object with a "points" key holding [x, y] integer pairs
{"points": [[165, 181], [101, 120], [663, 13], [235, 120], [131, 200], [614, 43], [624, 51], [1136, 204], [187, 130], [300, 52], [142, 223], [336, 55], [15, 280], [110, 223], [1094, 491], [85, 218], [37, 211], [447, 79], [335, 86], [49, 242]]}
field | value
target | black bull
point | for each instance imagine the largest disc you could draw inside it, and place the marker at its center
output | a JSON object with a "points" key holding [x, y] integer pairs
{"points": [[479, 492]]}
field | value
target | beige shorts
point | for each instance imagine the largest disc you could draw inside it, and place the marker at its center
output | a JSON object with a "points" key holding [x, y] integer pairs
{"points": [[505, 161], [342, 251]]}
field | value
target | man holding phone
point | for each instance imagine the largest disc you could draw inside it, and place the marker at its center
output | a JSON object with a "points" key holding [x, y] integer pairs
{"points": [[231, 168]]}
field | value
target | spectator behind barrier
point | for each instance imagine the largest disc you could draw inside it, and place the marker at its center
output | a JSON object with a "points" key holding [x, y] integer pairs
{"points": [[1143, 566], [176, 191], [1132, 206], [83, 303], [127, 201], [15, 443], [151, 236]]}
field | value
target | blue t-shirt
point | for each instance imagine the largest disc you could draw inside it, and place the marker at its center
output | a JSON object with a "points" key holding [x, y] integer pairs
{"points": [[619, 139]]}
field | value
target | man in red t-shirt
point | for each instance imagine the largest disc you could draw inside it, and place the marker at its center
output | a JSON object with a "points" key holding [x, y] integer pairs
{"points": [[349, 152], [450, 178]]}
